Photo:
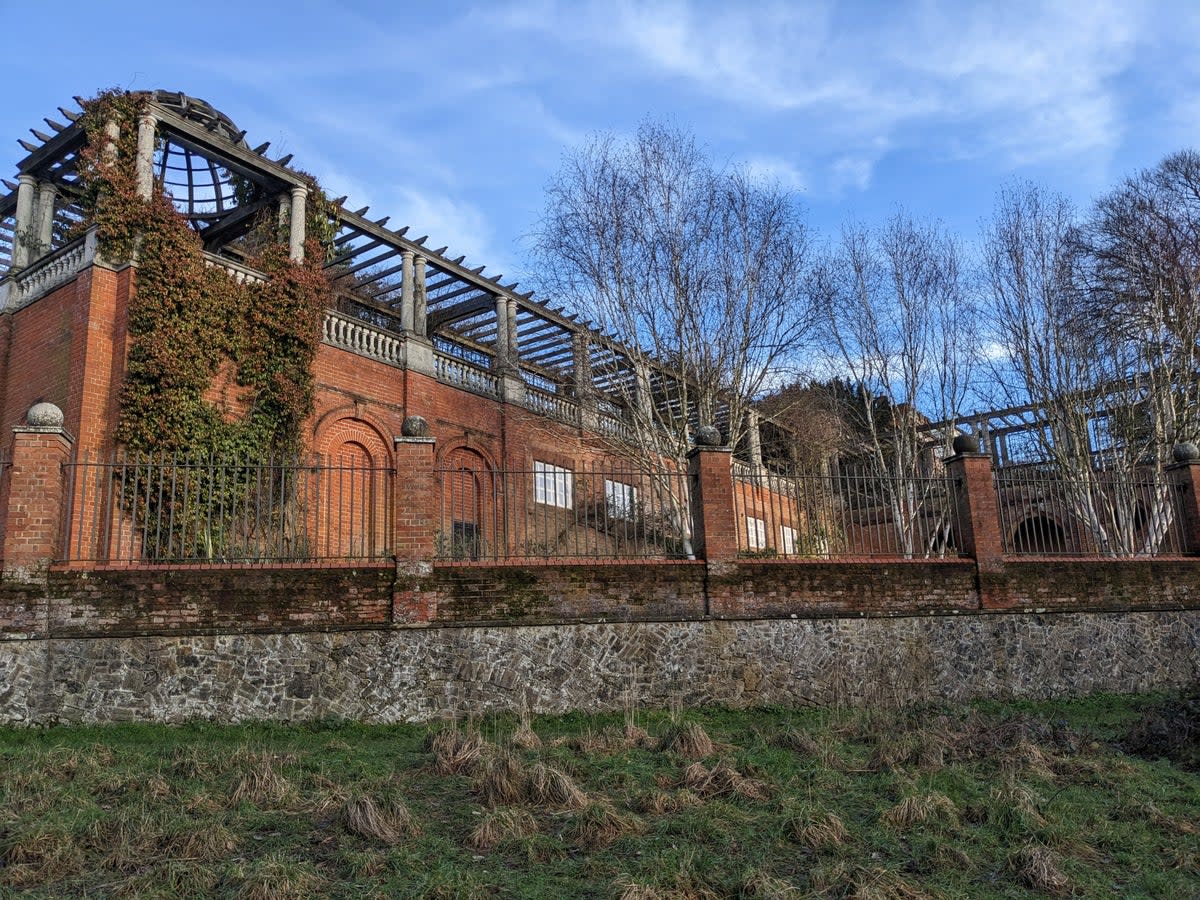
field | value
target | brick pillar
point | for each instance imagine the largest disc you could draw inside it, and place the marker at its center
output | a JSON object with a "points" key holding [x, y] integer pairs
{"points": [[414, 523], [35, 493], [710, 482], [1186, 477], [978, 515]]}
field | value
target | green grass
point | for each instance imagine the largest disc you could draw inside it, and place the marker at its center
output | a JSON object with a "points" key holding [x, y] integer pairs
{"points": [[1004, 800]]}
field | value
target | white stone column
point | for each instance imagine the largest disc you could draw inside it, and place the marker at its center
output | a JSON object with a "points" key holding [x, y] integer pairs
{"points": [[585, 388], [47, 193], [407, 307], [513, 356], [419, 298], [754, 439], [24, 234], [502, 346], [147, 125], [645, 405], [296, 222], [112, 134]]}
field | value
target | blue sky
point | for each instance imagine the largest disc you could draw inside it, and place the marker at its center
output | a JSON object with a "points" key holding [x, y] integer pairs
{"points": [[452, 117]]}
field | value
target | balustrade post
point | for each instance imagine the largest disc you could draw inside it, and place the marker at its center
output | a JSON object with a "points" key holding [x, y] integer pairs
{"points": [[710, 488]]}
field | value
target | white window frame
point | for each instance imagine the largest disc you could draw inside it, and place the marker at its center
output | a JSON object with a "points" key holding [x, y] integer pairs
{"points": [[553, 485], [756, 533], [620, 499], [787, 540]]}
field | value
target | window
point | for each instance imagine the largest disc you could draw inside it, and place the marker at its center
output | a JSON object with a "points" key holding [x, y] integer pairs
{"points": [[621, 499], [552, 485], [756, 533], [787, 540]]}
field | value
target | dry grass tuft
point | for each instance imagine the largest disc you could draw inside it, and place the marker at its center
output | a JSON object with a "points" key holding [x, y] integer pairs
{"points": [[1167, 822], [456, 752], [43, 856], [598, 824], [660, 803], [525, 738], [800, 741], [389, 824], [722, 780], [500, 826], [820, 831], [690, 740], [768, 887], [548, 786], [501, 779], [920, 809], [210, 844], [191, 762], [1038, 868], [262, 783], [878, 883], [277, 878]]}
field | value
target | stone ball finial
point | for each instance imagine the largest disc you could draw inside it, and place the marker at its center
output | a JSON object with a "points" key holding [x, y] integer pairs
{"points": [[44, 415], [965, 443], [708, 436], [415, 426], [1186, 452]]}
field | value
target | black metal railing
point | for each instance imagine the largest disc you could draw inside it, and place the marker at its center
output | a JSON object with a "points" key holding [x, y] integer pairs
{"points": [[594, 511], [1098, 513], [187, 508], [806, 515]]}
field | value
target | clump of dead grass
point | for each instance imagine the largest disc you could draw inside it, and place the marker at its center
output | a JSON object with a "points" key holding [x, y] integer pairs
{"points": [[262, 782], [722, 780], [456, 751], [278, 878], [690, 740], [598, 824], [819, 830], [879, 883], [920, 809], [660, 803], [501, 826], [388, 824], [501, 779], [39, 856], [1014, 806], [548, 786], [1038, 868], [764, 886]]}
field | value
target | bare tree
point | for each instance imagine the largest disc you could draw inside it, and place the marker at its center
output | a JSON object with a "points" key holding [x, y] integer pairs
{"points": [[898, 321], [1097, 324], [693, 270]]}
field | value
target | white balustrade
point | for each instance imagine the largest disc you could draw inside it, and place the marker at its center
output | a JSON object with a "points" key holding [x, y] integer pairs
{"points": [[548, 404], [460, 374], [358, 337], [241, 274], [50, 272]]}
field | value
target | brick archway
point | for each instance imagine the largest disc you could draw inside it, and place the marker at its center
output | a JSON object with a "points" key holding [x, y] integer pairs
{"points": [[350, 491], [468, 524]]}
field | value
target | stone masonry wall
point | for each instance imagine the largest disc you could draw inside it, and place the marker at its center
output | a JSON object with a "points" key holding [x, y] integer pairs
{"points": [[415, 674]]}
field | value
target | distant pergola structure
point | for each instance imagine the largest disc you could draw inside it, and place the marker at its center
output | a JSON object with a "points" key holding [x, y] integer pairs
{"points": [[396, 297]]}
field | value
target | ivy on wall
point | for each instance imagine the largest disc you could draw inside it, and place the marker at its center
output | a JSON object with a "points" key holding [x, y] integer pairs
{"points": [[187, 318]]}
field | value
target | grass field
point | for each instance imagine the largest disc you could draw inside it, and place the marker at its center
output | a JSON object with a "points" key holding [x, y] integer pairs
{"points": [[990, 800]]}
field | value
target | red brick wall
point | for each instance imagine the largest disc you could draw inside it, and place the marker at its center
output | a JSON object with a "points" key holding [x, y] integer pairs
{"points": [[1070, 584], [37, 364]]}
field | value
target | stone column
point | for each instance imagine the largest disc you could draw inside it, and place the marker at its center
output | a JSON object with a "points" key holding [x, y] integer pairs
{"points": [[512, 385], [35, 493], [1185, 476], [25, 232], [754, 439], [514, 355], [147, 124], [642, 399], [710, 483], [296, 222], [47, 194], [585, 388], [407, 310], [501, 360], [415, 522], [419, 298], [977, 525]]}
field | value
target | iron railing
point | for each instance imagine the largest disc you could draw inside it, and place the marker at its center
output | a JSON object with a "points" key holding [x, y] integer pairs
{"points": [[595, 511], [1101, 513], [185, 508], [799, 515]]}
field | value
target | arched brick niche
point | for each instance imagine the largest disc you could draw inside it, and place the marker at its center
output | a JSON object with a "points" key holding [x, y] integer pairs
{"points": [[470, 524], [350, 490]]}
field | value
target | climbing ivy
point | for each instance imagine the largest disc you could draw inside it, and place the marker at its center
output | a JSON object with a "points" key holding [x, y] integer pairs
{"points": [[187, 319]]}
